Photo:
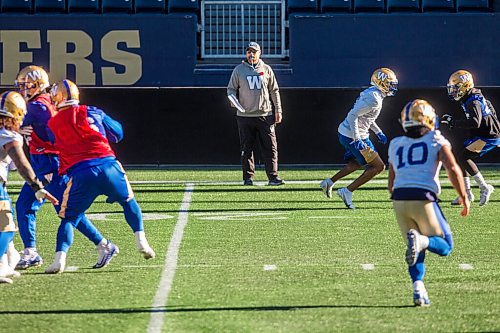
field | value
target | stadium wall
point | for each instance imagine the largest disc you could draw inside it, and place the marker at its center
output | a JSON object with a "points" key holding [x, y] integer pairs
{"points": [[197, 126]]}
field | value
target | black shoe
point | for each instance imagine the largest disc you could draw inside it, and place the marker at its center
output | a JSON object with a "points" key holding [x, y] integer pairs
{"points": [[276, 182], [248, 182]]}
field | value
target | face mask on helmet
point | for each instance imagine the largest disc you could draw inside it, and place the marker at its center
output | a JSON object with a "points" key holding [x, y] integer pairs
{"points": [[385, 80], [12, 105], [459, 84], [418, 113], [64, 93], [31, 81]]}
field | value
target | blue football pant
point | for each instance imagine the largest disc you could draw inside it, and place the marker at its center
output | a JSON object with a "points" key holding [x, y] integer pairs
{"points": [[27, 207], [83, 188]]}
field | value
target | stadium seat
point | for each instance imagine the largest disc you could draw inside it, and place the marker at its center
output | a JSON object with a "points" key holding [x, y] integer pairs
{"points": [[473, 5], [403, 6], [438, 5], [53, 6], [116, 6], [86, 6], [302, 6], [149, 6], [182, 6], [16, 6], [369, 6], [335, 6]]}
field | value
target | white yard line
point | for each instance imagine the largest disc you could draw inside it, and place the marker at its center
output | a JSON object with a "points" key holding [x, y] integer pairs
{"points": [[167, 277]]}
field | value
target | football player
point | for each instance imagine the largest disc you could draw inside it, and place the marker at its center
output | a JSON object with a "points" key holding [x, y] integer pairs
{"points": [[32, 83], [12, 110], [414, 163], [353, 135], [480, 119], [81, 135]]}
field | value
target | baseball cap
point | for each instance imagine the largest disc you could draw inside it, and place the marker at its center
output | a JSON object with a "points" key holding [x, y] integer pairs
{"points": [[253, 45]]}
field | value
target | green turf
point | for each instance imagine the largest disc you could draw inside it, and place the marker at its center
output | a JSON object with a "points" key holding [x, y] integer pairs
{"points": [[317, 246]]}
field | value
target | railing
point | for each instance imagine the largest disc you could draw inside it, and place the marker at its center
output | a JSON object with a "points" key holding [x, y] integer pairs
{"points": [[227, 26]]}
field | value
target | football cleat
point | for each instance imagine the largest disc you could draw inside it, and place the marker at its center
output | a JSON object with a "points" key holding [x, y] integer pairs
{"points": [[346, 197], [276, 182], [421, 298], [58, 265], [485, 194], [413, 247], [30, 258], [456, 201], [248, 182], [327, 186], [106, 253], [147, 252]]}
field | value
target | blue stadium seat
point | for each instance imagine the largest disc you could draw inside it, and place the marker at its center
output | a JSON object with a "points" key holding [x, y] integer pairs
{"points": [[368, 6], [438, 5], [86, 6], [302, 6], [149, 6], [16, 6], [473, 5], [182, 6], [116, 6], [336, 6], [53, 6], [403, 6]]}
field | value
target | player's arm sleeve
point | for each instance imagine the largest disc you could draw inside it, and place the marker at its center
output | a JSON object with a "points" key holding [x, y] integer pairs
{"points": [[114, 130], [274, 91], [474, 121], [375, 128], [360, 108]]}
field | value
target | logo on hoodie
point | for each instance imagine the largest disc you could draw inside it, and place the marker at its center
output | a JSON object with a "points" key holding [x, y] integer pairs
{"points": [[254, 82]]}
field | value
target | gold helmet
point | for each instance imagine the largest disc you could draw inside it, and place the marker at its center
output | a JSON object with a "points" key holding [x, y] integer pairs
{"points": [[31, 81], [459, 84], [418, 112], [12, 105], [385, 80], [64, 93]]}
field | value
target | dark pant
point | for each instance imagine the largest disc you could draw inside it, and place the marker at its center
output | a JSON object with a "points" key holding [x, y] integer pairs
{"points": [[261, 129]]}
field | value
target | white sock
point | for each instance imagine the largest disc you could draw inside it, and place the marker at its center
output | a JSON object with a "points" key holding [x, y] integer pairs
{"points": [[103, 243], [467, 183], [13, 256], [424, 242], [3, 260], [60, 256], [418, 285], [140, 239], [478, 177]]}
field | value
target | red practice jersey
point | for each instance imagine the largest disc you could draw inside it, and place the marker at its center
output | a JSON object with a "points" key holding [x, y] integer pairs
{"points": [[75, 139]]}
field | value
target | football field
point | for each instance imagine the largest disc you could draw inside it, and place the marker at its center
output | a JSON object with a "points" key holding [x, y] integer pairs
{"points": [[259, 259]]}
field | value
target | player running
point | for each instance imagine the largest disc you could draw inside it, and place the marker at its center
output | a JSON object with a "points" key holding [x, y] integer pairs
{"points": [[353, 135], [414, 163]]}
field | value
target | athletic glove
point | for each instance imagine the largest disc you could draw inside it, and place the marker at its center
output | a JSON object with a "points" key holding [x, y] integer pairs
{"points": [[359, 144], [382, 138], [447, 120]]}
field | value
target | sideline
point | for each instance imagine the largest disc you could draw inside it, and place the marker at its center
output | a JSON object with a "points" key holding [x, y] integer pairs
{"points": [[160, 301]]}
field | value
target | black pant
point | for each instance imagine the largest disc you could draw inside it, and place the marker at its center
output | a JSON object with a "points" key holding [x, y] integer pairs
{"points": [[261, 129]]}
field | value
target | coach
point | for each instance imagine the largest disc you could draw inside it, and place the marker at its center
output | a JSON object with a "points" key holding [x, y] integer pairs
{"points": [[251, 88]]}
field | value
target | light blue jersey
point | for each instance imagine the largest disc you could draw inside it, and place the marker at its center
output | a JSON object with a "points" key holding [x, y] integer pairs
{"points": [[416, 162]]}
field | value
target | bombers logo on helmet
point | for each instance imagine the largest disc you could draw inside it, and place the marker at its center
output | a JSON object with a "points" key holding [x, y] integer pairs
{"points": [[64, 93], [459, 84], [12, 105], [418, 112], [31, 81], [385, 80]]}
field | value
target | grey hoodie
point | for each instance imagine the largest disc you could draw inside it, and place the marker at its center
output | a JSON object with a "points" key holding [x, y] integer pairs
{"points": [[253, 85]]}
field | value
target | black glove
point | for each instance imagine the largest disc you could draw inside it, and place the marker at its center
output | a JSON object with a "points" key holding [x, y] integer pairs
{"points": [[447, 120]]}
